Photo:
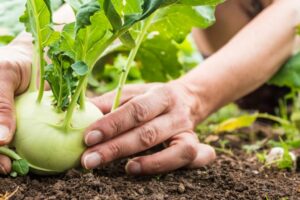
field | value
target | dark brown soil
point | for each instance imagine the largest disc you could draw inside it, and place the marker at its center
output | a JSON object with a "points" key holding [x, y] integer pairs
{"points": [[236, 177]]}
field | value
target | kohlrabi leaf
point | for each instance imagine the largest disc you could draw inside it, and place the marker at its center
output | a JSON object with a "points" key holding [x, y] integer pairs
{"points": [[159, 62], [112, 14], [200, 2], [93, 39], [177, 21], [84, 14], [128, 7], [117, 22], [66, 42], [148, 7], [76, 4], [80, 68], [37, 20], [289, 74], [21, 167]]}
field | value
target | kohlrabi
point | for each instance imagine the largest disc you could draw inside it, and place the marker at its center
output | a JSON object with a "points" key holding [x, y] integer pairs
{"points": [[50, 125]]}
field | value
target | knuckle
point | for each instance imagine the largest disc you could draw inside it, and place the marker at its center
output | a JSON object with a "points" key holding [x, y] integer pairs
{"points": [[156, 166], [189, 151], [116, 126], [6, 66], [5, 106], [140, 112], [148, 136], [10, 68], [115, 150], [181, 122], [169, 95], [186, 123]]}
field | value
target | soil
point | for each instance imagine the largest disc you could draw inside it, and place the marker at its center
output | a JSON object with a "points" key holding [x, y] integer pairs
{"points": [[230, 177]]}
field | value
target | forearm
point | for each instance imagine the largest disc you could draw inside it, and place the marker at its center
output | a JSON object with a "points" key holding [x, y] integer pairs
{"points": [[247, 61]]}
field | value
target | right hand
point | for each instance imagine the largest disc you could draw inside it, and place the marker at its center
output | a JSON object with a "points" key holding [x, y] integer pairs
{"points": [[15, 70]]}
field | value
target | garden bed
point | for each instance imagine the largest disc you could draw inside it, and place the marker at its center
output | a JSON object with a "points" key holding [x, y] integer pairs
{"points": [[229, 177]]}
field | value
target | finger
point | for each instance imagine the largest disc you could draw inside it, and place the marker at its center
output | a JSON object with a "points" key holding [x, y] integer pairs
{"points": [[139, 110], [5, 165], [205, 155], [105, 102], [137, 140], [181, 152]]}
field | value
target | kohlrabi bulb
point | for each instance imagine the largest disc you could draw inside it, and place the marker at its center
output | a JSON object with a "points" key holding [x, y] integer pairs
{"points": [[41, 140]]}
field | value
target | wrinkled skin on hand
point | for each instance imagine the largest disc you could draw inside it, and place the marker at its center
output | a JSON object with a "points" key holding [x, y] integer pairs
{"points": [[15, 69], [150, 114]]}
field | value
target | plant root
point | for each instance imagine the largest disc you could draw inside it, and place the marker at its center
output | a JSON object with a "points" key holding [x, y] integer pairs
{"points": [[8, 195]]}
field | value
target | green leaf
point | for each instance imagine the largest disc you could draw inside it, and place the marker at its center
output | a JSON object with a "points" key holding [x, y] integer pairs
{"points": [[76, 4], [286, 162], [177, 21], [84, 14], [80, 68], [112, 14], [201, 2], [92, 40], [6, 39], [148, 7], [37, 20], [131, 7], [116, 22], [289, 74], [127, 40], [159, 62], [21, 167]]}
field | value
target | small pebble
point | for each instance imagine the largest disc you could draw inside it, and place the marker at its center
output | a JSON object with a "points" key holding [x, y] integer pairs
{"points": [[181, 188]]}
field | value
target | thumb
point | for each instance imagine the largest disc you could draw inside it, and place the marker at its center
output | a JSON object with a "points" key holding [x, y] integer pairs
{"points": [[7, 116], [7, 119]]}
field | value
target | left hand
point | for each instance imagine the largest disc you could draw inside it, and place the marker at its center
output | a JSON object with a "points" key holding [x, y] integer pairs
{"points": [[150, 114]]}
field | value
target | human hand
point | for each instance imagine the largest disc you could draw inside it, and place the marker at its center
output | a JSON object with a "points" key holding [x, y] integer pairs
{"points": [[150, 114], [15, 70]]}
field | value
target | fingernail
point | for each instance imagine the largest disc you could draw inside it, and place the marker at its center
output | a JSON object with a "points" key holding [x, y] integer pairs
{"points": [[133, 168], [4, 132], [92, 160], [2, 170], [93, 137]]}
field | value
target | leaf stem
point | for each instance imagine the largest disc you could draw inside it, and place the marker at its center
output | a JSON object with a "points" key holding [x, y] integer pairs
{"points": [[81, 88], [273, 118], [73, 104], [42, 77], [39, 48], [35, 63], [82, 96], [125, 71], [10, 153]]}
